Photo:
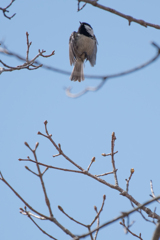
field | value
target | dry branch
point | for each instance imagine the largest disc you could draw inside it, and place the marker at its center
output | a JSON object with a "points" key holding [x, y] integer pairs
{"points": [[29, 64], [129, 18], [4, 10], [105, 78], [123, 215], [128, 230]]}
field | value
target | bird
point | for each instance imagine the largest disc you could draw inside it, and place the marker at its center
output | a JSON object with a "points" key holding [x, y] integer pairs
{"points": [[82, 46]]}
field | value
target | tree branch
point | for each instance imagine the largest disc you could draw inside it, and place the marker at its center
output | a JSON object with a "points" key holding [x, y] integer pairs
{"points": [[129, 18], [123, 215], [52, 219], [29, 64], [4, 10], [105, 78]]}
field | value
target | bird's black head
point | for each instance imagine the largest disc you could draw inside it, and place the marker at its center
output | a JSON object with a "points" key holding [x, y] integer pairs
{"points": [[85, 29]]}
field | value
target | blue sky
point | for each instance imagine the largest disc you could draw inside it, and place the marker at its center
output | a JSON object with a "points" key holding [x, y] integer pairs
{"points": [[127, 105]]}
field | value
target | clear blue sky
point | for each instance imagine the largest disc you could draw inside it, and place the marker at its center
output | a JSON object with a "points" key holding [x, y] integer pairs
{"points": [[129, 106]]}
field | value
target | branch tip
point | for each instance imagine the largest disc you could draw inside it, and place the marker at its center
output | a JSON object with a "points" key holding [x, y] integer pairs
{"points": [[45, 122], [37, 144], [60, 208], [27, 145], [95, 208]]}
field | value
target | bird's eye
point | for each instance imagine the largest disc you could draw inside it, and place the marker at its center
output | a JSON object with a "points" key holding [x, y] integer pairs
{"points": [[89, 30]]}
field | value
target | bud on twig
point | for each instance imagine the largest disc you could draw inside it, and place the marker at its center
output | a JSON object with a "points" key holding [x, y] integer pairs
{"points": [[95, 208], [60, 208], [27, 145], [93, 159], [104, 154]]}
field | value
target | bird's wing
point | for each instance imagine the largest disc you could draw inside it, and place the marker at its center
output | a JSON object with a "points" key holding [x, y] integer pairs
{"points": [[72, 56], [92, 58]]}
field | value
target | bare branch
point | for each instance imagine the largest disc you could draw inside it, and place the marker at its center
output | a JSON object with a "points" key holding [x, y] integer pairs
{"points": [[61, 209], [112, 157], [140, 211], [4, 10], [103, 78], [123, 215], [107, 77], [45, 171], [108, 154], [40, 175], [104, 174], [83, 171], [49, 166], [98, 222], [49, 136], [29, 64], [52, 219], [40, 228], [153, 195], [127, 180], [23, 211], [127, 228], [92, 161], [80, 8], [31, 171], [98, 213], [129, 18]]}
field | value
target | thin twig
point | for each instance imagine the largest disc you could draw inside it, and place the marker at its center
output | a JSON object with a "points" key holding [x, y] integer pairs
{"points": [[127, 228], [140, 211], [28, 64], [52, 219], [116, 187], [31, 171], [50, 166], [23, 212], [45, 171], [28, 46], [40, 227], [42, 183], [127, 180], [82, 224], [89, 230], [108, 154], [98, 213], [4, 10], [104, 174], [153, 195], [98, 223], [80, 8], [112, 158], [129, 18], [123, 215], [57, 147], [93, 160]]}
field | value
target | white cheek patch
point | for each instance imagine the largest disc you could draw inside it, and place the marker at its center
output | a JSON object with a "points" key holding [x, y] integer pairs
{"points": [[89, 30]]}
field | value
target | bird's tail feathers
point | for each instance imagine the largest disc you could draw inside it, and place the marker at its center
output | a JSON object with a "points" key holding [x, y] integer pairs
{"points": [[77, 73]]}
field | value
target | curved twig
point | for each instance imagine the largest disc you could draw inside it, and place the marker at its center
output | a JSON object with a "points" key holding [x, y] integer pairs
{"points": [[106, 77], [4, 10]]}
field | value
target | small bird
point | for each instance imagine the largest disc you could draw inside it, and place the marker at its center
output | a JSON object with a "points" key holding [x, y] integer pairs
{"points": [[82, 45]]}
